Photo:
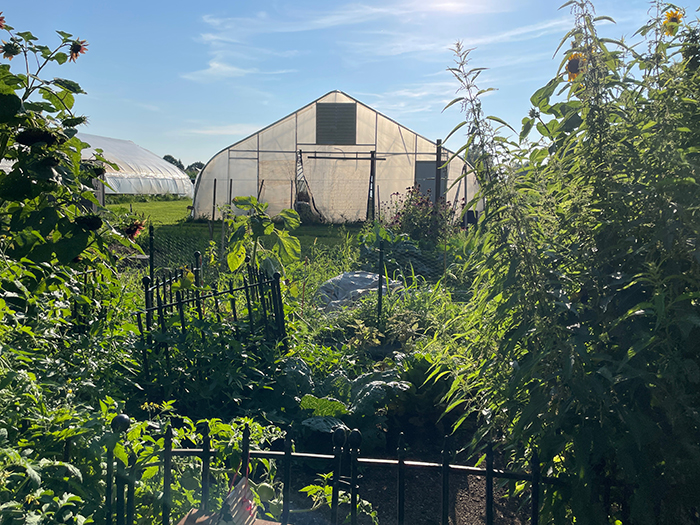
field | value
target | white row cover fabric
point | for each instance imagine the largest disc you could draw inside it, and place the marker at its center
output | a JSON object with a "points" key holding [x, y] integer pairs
{"points": [[140, 171], [265, 164], [349, 287]]}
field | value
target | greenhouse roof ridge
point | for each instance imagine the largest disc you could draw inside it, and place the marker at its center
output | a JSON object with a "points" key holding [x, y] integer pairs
{"points": [[312, 103]]}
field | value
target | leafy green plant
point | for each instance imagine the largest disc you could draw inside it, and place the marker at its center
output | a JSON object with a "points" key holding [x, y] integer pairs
{"points": [[583, 311], [321, 494], [249, 233], [48, 231]]}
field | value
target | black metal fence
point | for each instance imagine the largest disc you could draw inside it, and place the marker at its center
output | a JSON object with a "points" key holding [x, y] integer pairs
{"points": [[175, 299], [120, 501]]}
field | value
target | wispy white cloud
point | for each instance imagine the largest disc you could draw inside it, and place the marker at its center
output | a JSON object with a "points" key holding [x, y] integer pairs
{"points": [[386, 43], [230, 39], [523, 33], [218, 70], [428, 97], [296, 20], [452, 7]]}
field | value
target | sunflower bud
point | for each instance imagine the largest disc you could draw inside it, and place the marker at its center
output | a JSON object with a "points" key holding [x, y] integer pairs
{"points": [[10, 49], [31, 136]]}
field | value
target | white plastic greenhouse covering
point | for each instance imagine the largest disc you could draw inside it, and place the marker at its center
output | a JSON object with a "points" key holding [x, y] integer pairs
{"points": [[140, 171], [328, 143]]}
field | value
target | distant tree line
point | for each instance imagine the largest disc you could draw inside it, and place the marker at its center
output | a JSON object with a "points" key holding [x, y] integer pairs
{"points": [[192, 170]]}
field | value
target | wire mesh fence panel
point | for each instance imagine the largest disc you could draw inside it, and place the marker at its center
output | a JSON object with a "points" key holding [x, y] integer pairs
{"points": [[172, 246]]}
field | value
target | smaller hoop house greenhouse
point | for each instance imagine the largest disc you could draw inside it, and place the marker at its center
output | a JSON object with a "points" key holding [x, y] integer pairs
{"points": [[140, 171], [334, 160]]}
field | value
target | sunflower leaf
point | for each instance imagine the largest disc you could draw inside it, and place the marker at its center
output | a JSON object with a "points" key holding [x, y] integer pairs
{"points": [[68, 85], [458, 99], [603, 17], [567, 4], [566, 37], [527, 126], [501, 121], [458, 126]]}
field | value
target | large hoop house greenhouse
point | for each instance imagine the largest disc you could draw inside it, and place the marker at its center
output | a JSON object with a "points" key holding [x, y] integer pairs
{"points": [[139, 172], [334, 160]]}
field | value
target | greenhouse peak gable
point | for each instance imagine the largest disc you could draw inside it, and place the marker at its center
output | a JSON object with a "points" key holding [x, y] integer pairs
{"points": [[334, 160]]}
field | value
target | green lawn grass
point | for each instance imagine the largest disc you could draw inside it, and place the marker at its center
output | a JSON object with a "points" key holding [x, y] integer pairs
{"points": [[170, 221], [159, 212]]}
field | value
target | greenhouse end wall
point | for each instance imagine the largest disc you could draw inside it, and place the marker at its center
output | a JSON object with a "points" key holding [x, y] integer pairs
{"points": [[268, 165]]}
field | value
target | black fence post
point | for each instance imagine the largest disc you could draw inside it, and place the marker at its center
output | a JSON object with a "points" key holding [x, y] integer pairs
{"points": [[120, 492], [144, 350], [216, 302], [198, 283], [148, 300], [181, 311], [535, 488], [167, 473], [438, 172], [401, 482], [339, 437], [279, 307], [109, 482], [445, 482], [206, 458], [489, 484], [245, 451], [380, 272], [118, 425], [161, 310], [354, 442], [131, 488], [197, 268], [250, 306], [233, 303], [286, 478], [151, 252]]}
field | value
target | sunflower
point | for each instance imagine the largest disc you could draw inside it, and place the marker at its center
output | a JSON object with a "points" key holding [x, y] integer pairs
{"points": [[673, 18], [78, 47], [10, 49], [574, 66], [2, 21]]}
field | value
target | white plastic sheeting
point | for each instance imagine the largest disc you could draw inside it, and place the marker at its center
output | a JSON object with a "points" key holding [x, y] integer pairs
{"points": [[348, 287], [338, 175], [140, 171]]}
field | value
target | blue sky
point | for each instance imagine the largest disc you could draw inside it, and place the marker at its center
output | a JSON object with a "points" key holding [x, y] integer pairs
{"points": [[190, 78]]}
